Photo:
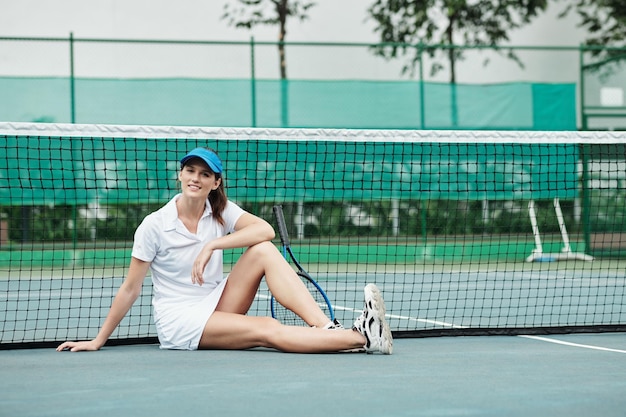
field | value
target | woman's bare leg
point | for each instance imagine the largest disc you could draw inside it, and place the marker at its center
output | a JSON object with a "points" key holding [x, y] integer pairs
{"points": [[236, 331], [261, 260]]}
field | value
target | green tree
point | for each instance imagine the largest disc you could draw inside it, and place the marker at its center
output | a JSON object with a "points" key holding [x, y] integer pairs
{"points": [[247, 14], [605, 21], [448, 23]]}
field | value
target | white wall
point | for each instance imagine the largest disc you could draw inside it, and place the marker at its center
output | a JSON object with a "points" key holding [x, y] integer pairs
{"points": [[332, 21]]}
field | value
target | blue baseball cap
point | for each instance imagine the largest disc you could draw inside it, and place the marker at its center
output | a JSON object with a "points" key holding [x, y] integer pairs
{"points": [[211, 159]]}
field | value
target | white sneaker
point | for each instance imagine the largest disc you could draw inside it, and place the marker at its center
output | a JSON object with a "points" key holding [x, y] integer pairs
{"points": [[372, 324], [336, 325]]}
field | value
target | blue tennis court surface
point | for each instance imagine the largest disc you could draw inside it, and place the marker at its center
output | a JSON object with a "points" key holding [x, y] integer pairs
{"points": [[557, 375], [581, 376]]}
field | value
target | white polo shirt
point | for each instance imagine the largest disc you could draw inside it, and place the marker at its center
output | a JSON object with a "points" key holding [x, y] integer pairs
{"points": [[165, 242]]}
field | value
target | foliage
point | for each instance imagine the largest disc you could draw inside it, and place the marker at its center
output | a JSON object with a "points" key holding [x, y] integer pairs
{"points": [[436, 218], [448, 22], [247, 14], [64, 223], [605, 20]]}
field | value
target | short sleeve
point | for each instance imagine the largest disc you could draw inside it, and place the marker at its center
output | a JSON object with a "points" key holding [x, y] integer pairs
{"points": [[231, 214], [146, 242]]}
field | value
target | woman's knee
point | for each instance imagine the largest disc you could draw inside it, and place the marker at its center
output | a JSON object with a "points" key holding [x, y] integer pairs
{"points": [[263, 249], [255, 259], [268, 329]]}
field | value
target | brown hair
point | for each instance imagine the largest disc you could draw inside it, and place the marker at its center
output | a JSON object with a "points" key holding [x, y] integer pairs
{"points": [[218, 200]]}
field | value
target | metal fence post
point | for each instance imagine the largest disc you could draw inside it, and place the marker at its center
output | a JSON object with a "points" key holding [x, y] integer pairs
{"points": [[72, 91]]}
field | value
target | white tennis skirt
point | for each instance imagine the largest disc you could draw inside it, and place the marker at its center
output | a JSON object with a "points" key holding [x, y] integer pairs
{"points": [[181, 327]]}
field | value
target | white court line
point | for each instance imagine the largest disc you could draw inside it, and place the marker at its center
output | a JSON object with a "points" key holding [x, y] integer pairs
{"points": [[394, 316], [438, 323], [454, 326], [543, 339], [561, 342]]}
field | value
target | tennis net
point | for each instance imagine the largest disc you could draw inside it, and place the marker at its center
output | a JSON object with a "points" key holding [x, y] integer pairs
{"points": [[465, 232]]}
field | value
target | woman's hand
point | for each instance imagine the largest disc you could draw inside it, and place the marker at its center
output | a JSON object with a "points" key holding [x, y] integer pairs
{"points": [[249, 230], [79, 346], [197, 271]]}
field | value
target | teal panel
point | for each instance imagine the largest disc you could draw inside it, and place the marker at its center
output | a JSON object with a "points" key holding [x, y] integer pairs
{"points": [[354, 104], [292, 103], [182, 102], [554, 106], [41, 99], [40, 170]]}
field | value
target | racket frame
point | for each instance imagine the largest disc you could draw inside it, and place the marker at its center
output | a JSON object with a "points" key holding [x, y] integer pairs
{"points": [[289, 255]]}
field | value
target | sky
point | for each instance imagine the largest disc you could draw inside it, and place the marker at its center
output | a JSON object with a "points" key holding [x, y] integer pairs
{"points": [[330, 21]]}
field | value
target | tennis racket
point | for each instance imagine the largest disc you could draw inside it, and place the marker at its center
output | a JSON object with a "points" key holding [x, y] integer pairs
{"points": [[281, 313]]}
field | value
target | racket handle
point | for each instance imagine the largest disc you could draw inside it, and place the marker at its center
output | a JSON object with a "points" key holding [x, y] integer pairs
{"points": [[282, 227]]}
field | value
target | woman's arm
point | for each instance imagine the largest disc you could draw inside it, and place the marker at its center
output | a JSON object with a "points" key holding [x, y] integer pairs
{"points": [[249, 230], [126, 296]]}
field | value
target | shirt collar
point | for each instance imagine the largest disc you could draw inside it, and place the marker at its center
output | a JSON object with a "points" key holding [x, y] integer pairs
{"points": [[170, 213]]}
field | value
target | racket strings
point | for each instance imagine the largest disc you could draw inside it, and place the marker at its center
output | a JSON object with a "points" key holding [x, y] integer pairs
{"points": [[288, 317]]}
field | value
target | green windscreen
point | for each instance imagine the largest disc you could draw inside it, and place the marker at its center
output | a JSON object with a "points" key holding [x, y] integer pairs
{"points": [[82, 170], [290, 103]]}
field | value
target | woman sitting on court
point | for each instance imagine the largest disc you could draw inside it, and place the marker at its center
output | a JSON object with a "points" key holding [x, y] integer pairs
{"points": [[195, 307]]}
